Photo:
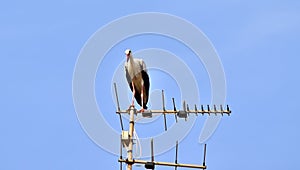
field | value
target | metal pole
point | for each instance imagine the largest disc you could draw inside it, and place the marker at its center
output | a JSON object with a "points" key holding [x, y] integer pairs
{"points": [[131, 129]]}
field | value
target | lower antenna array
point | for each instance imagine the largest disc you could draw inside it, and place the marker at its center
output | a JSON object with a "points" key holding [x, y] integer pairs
{"points": [[127, 136]]}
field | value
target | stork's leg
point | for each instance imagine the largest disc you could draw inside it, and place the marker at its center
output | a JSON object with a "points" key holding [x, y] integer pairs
{"points": [[142, 96], [133, 93]]}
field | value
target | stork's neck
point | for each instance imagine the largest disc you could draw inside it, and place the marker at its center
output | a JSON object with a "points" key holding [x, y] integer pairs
{"points": [[131, 66], [130, 61]]}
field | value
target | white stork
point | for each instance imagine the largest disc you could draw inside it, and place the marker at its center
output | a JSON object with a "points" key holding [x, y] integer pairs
{"points": [[138, 79]]}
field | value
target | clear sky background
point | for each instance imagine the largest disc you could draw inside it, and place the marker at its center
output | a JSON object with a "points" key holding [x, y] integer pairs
{"points": [[258, 44]]}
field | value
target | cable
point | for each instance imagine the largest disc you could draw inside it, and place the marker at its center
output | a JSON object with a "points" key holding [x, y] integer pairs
{"points": [[138, 145]]}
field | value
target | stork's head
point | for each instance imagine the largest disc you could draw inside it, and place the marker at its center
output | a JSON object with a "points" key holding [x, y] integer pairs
{"points": [[128, 53]]}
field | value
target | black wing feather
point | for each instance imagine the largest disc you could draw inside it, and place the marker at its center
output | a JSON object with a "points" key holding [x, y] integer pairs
{"points": [[147, 86]]}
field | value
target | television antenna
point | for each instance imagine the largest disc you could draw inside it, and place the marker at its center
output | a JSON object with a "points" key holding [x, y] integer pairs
{"points": [[127, 137]]}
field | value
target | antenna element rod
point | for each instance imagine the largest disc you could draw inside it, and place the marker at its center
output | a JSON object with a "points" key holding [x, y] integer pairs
{"points": [[175, 109], [121, 152], [176, 154], [152, 151], [204, 158], [117, 98], [164, 108]]}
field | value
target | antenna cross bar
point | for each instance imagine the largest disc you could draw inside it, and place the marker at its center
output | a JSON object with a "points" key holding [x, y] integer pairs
{"points": [[163, 164]]}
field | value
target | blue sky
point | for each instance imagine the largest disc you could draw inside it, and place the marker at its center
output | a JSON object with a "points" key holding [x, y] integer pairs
{"points": [[257, 42]]}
